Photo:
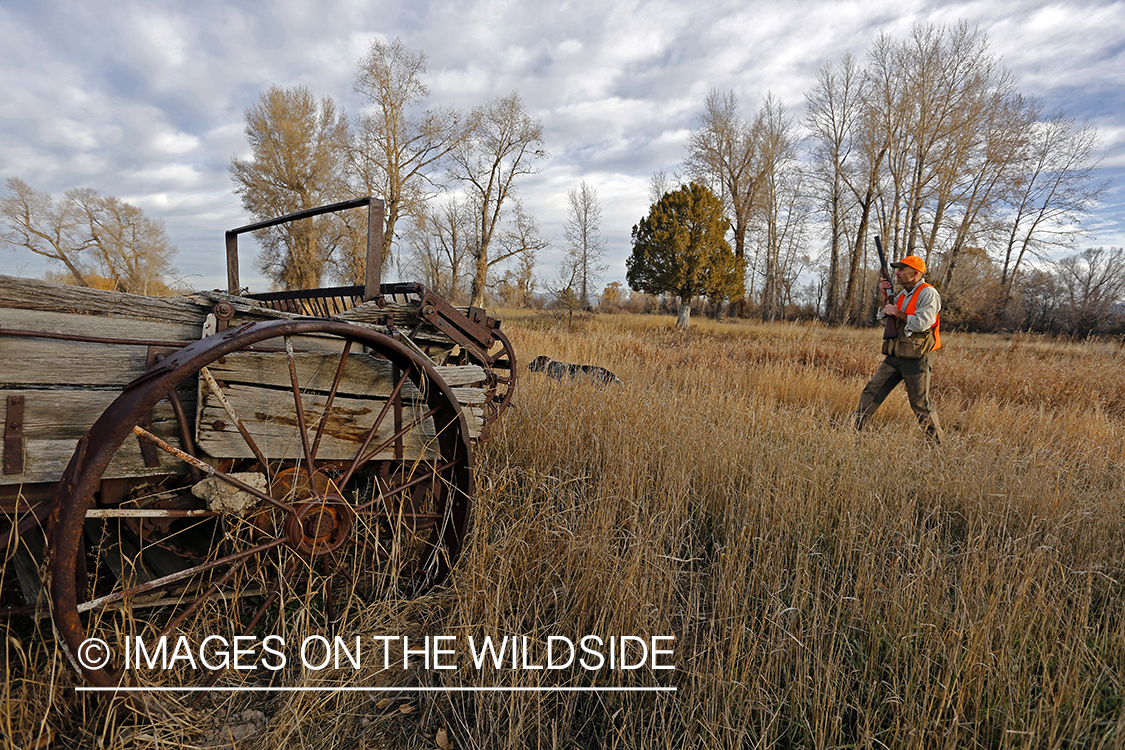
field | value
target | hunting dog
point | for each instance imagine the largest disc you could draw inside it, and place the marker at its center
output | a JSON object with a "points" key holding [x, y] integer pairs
{"points": [[560, 370]]}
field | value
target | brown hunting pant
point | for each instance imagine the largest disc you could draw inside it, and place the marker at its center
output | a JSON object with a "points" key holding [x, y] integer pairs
{"points": [[915, 373]]}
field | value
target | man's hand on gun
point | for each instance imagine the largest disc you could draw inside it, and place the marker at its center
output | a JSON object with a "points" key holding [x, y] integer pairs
{"points": [[888, 308]]}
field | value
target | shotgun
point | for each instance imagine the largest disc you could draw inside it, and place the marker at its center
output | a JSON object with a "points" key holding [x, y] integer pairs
{"points": [[890, 325]]}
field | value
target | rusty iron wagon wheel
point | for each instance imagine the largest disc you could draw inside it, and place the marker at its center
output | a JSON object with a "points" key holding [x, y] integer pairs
{"points": [[326, 465]]}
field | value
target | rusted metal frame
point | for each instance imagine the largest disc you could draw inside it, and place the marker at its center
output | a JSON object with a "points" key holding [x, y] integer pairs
{"points": [[92, 339], [473, 331], [301, 425], [163, 581], [148, 451], [13, 435], [331, 397], [185, 432], [398, 420], [374, 428], [374, 239]]}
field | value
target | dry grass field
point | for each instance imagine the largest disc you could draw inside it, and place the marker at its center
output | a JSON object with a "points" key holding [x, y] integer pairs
{"points": [[825, 589]]}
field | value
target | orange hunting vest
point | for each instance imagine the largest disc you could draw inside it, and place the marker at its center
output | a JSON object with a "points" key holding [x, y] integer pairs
{"points": [[910, 306]]}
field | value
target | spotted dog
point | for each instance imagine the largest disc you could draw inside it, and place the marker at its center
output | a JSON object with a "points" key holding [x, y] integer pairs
{"points": [[560, 370]]}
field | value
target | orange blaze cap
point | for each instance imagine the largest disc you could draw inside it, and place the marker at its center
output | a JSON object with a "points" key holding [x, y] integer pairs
{"points": [[911, 261]]}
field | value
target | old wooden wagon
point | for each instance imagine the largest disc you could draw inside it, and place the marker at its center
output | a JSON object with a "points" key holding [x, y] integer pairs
{"points": [[235, 463]]}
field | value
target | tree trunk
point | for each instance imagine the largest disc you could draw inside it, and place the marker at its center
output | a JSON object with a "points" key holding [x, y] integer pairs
{"points": [[685, 312]]}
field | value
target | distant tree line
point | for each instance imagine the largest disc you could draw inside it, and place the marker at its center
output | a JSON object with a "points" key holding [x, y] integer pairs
{"points": [[929, 145]]}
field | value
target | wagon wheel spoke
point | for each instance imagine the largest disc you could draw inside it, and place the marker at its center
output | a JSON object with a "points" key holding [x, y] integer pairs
{"points": [[302, 428], [213, 385], [167, 580], [355, 463], [331, 397]]}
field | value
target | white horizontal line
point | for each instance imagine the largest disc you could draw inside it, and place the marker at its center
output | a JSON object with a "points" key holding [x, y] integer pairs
{"points": [[378, 689]]}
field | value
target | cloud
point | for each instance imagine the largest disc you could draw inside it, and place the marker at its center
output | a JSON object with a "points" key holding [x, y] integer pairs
{"points": [[146, 99]]}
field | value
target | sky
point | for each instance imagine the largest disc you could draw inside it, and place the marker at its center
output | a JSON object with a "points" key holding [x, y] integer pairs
{"points": [[145, 100]]}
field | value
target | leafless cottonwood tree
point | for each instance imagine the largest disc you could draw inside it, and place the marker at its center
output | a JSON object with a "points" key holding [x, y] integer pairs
{"points": [[942, 157], [783, 212], [443, 238], [585, 244], [725, 154], [297, 146], [100, 240], [1056, 186], [398, 145], [1093, 286], [833, 112], [503, 144]]}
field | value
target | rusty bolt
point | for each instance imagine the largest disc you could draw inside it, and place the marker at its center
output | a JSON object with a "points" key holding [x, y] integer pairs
{"points": [[223, 310], [219, 425]]}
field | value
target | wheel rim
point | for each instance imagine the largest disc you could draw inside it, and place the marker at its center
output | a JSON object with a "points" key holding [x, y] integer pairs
{"points": [[334, 509]]}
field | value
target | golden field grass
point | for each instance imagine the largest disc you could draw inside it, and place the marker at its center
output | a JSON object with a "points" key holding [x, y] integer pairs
{"points": [[825, 588]]}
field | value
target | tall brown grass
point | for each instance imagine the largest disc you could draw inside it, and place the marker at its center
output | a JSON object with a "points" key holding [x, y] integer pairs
{"points": [[825, 588]]}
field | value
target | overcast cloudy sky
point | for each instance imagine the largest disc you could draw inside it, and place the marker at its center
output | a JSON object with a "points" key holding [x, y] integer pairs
{"points": [[145, 100]]}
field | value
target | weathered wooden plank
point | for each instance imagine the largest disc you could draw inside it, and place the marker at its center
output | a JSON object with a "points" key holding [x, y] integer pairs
{"points": [[54, 420], [269, 416], [34, 294], [40, 362], [46, 460], [44, 321], [461, 375], [69, 414]]}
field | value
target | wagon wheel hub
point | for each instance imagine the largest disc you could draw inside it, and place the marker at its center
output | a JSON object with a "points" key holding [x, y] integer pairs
{"points": [[320, 526]]}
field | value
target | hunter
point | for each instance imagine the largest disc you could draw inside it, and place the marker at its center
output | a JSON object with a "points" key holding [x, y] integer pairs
{"points": [[910, 355]]}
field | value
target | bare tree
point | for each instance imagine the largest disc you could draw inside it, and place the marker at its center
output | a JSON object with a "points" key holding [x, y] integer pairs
{"points": [[724, 155], [1056, 186], [938, 86], [834, 111], [585, 245], [397, 146], [660, 185], [297, 147], [52, 230], [443, 240], [101, 240], [942, 157], [517, 243], [1093, 284], [128, 248], [505, 144], [782, 213]]}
